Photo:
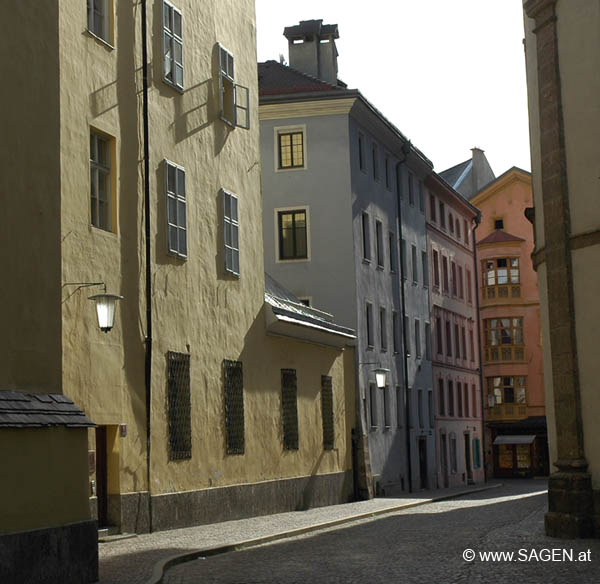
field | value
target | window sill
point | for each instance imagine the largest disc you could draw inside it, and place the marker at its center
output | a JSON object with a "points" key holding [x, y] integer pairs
{"points": [[387, 428], [372, 428], [179, 90], [292, 260], [380, 267], [291, 168], [370, 347], [366, 261], [104, 232], [100, 39]]}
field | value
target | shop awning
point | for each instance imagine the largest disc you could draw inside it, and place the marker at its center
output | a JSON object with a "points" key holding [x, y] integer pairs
{"points": [[514, 439]]}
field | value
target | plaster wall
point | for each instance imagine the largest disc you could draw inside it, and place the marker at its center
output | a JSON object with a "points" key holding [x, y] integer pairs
{"points": [[30, 351]]}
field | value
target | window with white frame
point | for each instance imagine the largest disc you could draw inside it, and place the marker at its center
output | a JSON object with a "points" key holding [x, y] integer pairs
{"points": [[98, 16], [172, 45], [100, 181], [176, 209], [231, 229], [234, 98]]}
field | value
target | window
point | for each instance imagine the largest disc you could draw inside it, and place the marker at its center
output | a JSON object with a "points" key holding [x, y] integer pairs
{"points": [[459, 399], [98, 13], [474, 400], [461, 288], [373, 404], [173, 46], [450, 398], [501, 278], [466, 402], [421, 198], [395, 332], [453, 279], [448, 339], [290, 149], [366, 235], [387, 409], [411, 189], [425, 269], [361, 152], [392, 247], [441, 400], [403, 266], [231, 233], [456, 342], [388, 184], [409, 402], [407, 335], [469, 287], [442, 215], [476, 453], [453, 467], [382, 329], [399, 408], [379, 243], [100, 181], [436, 269], [292, 228], [418, 338], [289, 408], [234, 406], [415, 273], [176, 209], [463, 343], [451, 222], [369, 323], [179, 406], [471, 345], [445, 274], [504, 339], [375, 156], [507, 390], [438, 330], [499, 224], [234, 99], [428, 341], [457, 228], [327, 412], [432, 214], [399, 181], [420, 408], [466, 226], [430, 409]]}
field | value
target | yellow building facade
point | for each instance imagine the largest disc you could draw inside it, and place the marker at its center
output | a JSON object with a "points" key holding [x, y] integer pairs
{"points": [[200, 430]]}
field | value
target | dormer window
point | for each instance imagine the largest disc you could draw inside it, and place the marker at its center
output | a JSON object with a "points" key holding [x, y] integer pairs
{"points": [[234, 98]]}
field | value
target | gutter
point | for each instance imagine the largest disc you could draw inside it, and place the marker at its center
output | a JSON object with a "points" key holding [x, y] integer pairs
{"points": [[406, 147], [147, 234]]}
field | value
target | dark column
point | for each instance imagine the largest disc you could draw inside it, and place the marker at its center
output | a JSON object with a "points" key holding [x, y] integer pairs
{"points": [[570, 501]]}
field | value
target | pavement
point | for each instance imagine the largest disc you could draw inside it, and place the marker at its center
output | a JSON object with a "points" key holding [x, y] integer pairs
{"points": [[145, 559]]}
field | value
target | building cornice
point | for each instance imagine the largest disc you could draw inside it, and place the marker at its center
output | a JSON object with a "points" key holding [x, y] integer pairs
{"points": [[305, 109], [512, 176]]}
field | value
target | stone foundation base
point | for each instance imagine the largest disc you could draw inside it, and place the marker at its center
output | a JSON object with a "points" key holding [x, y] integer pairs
{"points": [[68, 553], [570, 506]]}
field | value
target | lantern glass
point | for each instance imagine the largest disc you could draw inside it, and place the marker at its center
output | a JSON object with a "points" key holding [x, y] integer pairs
{"points": [[380, 377], [105, 310]]}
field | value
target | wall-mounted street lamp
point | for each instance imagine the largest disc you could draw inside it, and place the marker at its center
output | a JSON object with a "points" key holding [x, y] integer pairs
{"points": [[491, 400], [380, 373], [105, 304]]}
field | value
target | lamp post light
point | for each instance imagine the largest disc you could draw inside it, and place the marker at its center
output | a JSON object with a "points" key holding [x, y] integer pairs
{"points": [[380, 376], [105, 303]]}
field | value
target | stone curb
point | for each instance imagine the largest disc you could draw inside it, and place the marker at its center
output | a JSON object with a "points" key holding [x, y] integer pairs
{"points": [[161, 567]]}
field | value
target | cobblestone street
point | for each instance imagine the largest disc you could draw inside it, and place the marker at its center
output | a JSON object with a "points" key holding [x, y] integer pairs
{"points": [[423, 544]]}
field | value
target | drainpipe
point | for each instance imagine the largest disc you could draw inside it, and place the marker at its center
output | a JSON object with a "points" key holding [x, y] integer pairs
{"points": [[148, 363], [481, 388], [405, 152]]}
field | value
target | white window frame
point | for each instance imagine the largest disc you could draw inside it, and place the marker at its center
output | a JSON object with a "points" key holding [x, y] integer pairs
{"points": [[277, 131], [103, 220], [104, 35], [240, 94], [170, 39], [180, 199], [231, 233], [276, 211]]}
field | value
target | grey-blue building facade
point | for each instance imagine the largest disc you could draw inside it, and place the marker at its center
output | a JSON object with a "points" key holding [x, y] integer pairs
{"points": [[344, 228]]}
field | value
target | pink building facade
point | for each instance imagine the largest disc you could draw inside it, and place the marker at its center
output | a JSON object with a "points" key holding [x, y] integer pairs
{"points": [[516, 439], [454, 342]]}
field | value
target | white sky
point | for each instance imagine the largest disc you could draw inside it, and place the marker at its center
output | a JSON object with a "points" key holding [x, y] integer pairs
{"points": [[450, 74]]}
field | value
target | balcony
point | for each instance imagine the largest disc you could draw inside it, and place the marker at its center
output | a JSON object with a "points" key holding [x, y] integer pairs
{"points": [[501, 354], [506, 412]]}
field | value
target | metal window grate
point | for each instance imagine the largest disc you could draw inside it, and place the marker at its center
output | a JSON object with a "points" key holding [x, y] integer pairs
{"points": [[289, 406], [327, 411], [179, 406], [234, 406]]}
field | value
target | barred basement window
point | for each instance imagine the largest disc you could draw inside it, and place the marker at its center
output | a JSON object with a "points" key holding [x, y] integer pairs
{"points": [[231, 233], [179, 406], [327, 412], [234, 406], [289, 406]]}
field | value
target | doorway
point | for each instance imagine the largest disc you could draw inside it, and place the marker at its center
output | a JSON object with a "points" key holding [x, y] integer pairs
{"points": [[468, 465], [101, 476], [423, 463], [444, 454]]}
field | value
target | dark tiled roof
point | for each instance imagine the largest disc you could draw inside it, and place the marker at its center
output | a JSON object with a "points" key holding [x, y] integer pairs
{"points": [[310, 27], [499, 236], [34, 410], [451, 175], [283, 302], [275, 78]]}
